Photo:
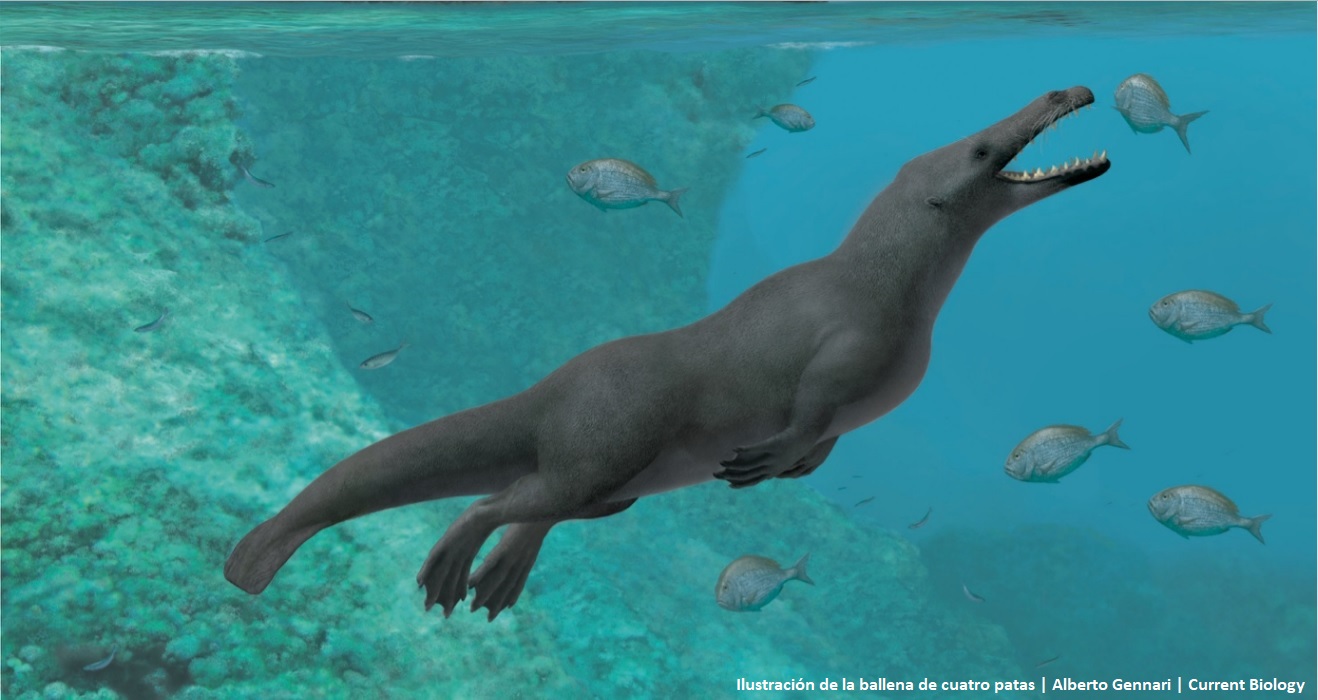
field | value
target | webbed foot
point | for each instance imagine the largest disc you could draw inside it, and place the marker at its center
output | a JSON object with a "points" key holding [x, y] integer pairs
{"points": [[502, 576]]}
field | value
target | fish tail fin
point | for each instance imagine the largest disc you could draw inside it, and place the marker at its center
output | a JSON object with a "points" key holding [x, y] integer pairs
{"points": [[1255, 525], [798, 570], [261, 554], [759, 112], [1182, 122], [1109, 436], [1255, 319], [670, 198]]}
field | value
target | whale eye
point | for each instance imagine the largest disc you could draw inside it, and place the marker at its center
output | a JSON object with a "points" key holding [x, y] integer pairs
{"points": [[981, 154]]}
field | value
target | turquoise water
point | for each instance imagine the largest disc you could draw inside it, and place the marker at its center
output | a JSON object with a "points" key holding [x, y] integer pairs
{"points": [[417, 154]]}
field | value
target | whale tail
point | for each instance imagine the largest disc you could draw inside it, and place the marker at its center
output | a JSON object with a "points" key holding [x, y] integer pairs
{"points": [[1182, 123], [261, 554], [474, 452]]}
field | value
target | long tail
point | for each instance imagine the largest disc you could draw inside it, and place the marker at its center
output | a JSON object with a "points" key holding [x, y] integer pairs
{"points": [[1255, 319], [473, 452], [1182, 122]]}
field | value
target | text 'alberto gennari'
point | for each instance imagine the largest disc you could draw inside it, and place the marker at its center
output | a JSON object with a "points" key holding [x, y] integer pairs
{"points": [[1191, 685], [881, 684]]}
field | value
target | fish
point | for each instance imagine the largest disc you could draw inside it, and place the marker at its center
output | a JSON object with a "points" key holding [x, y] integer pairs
{"points": [[1201, 511], [614, 183], [384, 358], [749, 583], [789, 117], [807, 81], [1196, 314], [103, 663], [841, 488], [361, 316], [862, 502], [154, 325], [762, 150], [255, 180], [1144, 104], [1046, 662], [920, 523], [971, 596], [282, 235], [1050, 453]]}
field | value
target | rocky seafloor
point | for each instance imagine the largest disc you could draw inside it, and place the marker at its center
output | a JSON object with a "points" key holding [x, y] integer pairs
{"points": [[431, 194]]}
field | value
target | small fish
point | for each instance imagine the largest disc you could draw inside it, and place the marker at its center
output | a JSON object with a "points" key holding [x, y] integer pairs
{"points": [[1198, 315], [841, 488], [750, 582], [1046, 662], [256, 180], [862, 502], [103, 663], [762, 150], [789, 117], [807, 81], [154, 325], [384, 358], [613, 183], [920, 523], [361, 316], [971, 596], [1201, 511], [282, 235], [1051, 453], [1141, 100]]}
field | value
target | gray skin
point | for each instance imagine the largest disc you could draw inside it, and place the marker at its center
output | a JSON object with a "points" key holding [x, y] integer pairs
{"points": [[760, 389]]}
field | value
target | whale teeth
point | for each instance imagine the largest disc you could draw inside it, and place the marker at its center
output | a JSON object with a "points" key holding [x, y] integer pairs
{"points": [[1052, 170], [1038, 172]]}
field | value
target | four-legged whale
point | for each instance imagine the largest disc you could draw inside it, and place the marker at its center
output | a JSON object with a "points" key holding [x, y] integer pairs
{"points": [[760, 389]]}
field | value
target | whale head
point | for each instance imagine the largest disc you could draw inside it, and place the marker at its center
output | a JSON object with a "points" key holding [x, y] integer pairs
{"points": [[969, 180]]}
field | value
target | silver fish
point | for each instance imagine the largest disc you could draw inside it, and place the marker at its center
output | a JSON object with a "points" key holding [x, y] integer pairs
{"points": [[1200, 511], [384, 358], [750, 582], [1141, 100], [359, 314], [613, 183], [789, 117], [154, 325], [103, 663], [255, 180], [752, 155], [1198, 315], [807, 81], [970, 595], [1051, 453]]}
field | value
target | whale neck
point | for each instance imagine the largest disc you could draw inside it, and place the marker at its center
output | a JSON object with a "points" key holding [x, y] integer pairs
{"points": [[917, 257]]}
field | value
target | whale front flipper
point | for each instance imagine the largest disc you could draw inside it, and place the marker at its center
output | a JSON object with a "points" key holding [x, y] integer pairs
{"points": [[811, 461]]}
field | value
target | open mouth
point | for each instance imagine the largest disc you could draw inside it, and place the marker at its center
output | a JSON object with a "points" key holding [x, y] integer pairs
{"points": [[1070, 172]]}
